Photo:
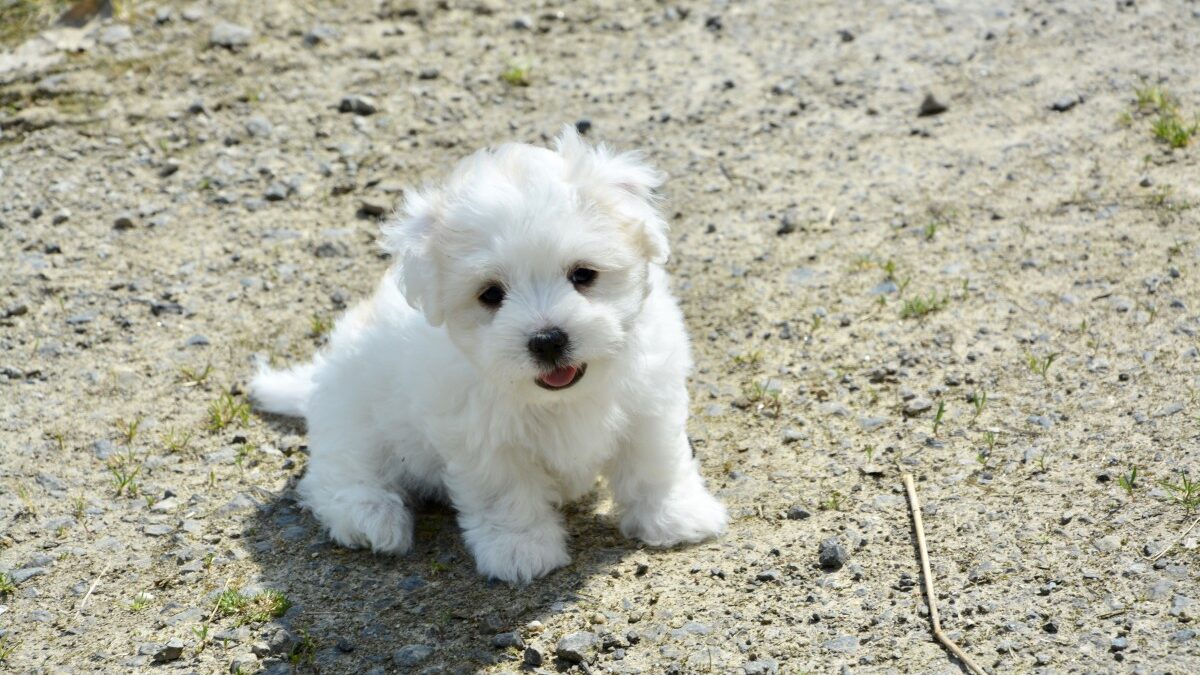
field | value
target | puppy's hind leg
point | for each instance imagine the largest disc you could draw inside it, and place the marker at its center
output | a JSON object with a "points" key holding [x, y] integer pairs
{"points": [[354, 503]]}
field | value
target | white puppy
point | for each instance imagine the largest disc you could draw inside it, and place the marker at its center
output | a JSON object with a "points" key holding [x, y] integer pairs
{"points": [[525, 342]]}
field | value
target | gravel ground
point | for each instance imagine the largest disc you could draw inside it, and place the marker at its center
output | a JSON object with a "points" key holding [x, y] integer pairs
{"points": [[908, 237]]}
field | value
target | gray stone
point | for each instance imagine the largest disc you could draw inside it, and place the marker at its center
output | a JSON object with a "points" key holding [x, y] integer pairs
{"points": [[1183, 608], [229, 35], [276, 192], [114, 34], [196, 341], [761, 667], [576, 647], [917, 405], [797, 512], [169, 652], [831, 554], [884, 288], [843, 644], [506, 640], [1065, 103], [243, 663], [768, 575], [359, 105], [1042, 421], [320, 35], [409, 656], [25, 574], [158, 530], [259, 126]]}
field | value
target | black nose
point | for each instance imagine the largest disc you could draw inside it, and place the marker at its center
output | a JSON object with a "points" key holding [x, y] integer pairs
{"points": [[548, 346]]}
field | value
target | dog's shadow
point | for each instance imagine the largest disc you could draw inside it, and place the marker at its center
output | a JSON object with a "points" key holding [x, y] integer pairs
{"points": [[354, 610]]}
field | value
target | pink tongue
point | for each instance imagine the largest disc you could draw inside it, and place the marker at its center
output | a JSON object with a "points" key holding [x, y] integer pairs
{"points": [[560, 378]]}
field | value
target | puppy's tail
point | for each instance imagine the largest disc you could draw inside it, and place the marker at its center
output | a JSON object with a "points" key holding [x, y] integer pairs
{"points": [[284, 392]]}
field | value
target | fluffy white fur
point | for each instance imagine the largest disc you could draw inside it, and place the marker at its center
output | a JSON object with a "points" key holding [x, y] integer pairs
{"points": [[426, 392]]}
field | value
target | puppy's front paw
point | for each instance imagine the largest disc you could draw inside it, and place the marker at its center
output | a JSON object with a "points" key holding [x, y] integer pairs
{"points": [[682, 516], [363, 517], [518, 556]]}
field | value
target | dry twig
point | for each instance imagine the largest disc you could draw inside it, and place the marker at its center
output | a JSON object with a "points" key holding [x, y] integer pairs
{"points": [[930, 596], [88, 595], [1174, 541]]}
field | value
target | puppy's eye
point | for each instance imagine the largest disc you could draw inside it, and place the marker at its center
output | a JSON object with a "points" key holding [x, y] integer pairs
{"points": [[492, 296], [582, 276]]}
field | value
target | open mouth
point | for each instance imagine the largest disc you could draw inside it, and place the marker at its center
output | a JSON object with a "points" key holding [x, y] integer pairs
{"points": [[561, 378]]}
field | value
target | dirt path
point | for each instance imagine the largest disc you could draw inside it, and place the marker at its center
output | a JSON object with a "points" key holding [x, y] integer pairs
{"points": [[1001, 298]]}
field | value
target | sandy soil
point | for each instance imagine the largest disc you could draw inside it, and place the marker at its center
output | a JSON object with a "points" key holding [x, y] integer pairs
{"points": [[1001, 298]]}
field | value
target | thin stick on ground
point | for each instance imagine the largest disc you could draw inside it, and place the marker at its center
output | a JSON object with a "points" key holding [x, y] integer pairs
{"points": [[88, 595], [930, 596], [1174, 541]]}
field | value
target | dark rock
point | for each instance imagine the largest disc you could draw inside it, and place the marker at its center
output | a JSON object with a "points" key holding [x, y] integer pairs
{"points": [[831, 554], [230, 35], [411, 655], [359, 105], [169, 652], [576, 647], [123, 222], [787, 222], [506, 640], [533, 658], [931, 106], [768, 575], [1065, 103], [798, 512]]}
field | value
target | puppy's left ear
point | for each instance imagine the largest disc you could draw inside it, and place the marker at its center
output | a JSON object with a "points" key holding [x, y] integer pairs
{"points": [[627, 182], [409, 237]]}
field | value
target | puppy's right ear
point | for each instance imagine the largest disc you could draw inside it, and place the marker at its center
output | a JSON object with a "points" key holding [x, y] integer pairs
{"points": [[409, 237]]}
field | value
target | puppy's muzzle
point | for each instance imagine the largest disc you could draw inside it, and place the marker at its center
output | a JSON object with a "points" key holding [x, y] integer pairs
{"points": [[549, 347]]}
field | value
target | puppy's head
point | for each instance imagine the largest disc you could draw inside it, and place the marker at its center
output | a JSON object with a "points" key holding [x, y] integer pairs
{"points": [[535, 260]]}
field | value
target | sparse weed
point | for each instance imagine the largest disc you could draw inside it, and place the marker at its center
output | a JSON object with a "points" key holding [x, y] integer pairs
{"points": [[27, 504], [517, 74], [1186, 492], [1128, 481], [930, 231], [194, 377], [1153, 98], [7, 647], [177, 441], [437, 567], [1170, 128], [833, 503], [7, 587], [1040, 366], [125, 469], [140, 602], [750, 359], [918, 307], [227, 410], [245, 451], [978, 401], [258, 608], [304, 652], [889, 270], [937, 417], [870, 452], [79, 508], [127, 431], [1168, 125], [989, 437], [319, 326]]}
